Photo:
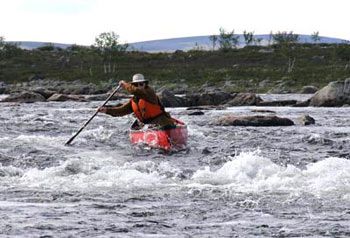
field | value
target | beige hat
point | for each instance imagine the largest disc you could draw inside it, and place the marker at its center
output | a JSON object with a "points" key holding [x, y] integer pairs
{"points": [[139, 78]]}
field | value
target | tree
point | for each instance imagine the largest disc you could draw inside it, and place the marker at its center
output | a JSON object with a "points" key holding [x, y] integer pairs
{"points": [[270, 38], [284, 40], [8, 50], [257, 41], [109, 47], [227, 40], [85, 56], [248, 37], [284, 37], [108, 41], [2, 42], [315, 37], [213, 39], [47, 47], [197, 47]]}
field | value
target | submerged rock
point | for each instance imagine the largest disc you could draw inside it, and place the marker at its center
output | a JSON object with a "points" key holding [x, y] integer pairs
{"points": [[306, 120], [258, 120]]}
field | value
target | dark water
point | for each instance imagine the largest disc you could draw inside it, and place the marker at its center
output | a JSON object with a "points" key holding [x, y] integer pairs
{"points": [[230, 182]]}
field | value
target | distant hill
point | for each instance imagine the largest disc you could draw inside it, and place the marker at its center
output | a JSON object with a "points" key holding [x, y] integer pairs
{"points": [[184, 43], [29, 45], [203, 42]]}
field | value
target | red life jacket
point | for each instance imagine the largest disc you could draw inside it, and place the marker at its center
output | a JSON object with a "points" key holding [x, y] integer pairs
{"points": [[146, 111]]}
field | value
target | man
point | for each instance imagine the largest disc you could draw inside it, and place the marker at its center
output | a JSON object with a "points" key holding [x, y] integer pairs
{"points": [[145, 104]]}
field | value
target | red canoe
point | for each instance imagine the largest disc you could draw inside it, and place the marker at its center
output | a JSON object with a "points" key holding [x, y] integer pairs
{"points": [[166, 139]]}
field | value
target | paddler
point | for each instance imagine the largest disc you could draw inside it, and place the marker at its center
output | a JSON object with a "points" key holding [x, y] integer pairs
{"points": [[145, 104]]}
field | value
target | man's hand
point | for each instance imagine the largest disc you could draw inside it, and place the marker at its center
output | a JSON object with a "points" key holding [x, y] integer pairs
{"points": [[102, 109], [122, 83]]}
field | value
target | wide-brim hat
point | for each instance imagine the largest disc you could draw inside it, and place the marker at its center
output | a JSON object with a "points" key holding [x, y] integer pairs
{"points": [[139, 78]]}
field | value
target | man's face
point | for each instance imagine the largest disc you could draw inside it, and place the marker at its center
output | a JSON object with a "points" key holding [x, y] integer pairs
{"points": [[140, 85]]}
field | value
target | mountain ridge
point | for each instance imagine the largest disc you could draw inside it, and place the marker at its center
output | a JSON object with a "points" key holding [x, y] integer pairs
{"points": [[183, 43]]}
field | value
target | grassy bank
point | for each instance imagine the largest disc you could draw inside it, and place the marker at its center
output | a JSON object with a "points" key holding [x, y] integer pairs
{"points": [[253, 68]]}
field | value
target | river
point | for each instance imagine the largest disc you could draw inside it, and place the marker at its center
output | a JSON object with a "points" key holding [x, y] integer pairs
{"points": [[230, 181]]}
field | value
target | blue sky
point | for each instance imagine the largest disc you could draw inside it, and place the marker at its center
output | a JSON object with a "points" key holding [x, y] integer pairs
{"points": [[80, 21]]}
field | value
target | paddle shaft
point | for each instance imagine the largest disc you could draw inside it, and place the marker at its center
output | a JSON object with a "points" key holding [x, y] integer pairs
{"points": [[88, 121]]}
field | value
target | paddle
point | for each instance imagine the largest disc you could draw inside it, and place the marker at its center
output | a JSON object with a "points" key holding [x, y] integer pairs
{"points": [[88, 121]]}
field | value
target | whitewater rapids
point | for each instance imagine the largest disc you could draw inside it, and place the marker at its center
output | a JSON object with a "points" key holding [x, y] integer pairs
{"points": [[230, 182]]}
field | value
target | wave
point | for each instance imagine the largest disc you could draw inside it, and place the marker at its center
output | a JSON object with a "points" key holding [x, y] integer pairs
{"points": [[248, 172], [251, 172]]}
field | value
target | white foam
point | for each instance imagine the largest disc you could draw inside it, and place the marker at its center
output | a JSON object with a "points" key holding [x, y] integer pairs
{"points": [[37, 139], [250, 172], [100, 134], [9, 171], [95, 170]]}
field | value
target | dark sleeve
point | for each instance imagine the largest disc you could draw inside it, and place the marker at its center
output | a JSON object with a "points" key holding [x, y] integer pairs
{"points": [[122, 110]]}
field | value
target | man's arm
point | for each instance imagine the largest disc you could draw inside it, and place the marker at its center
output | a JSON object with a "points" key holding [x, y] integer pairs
{"points": [[119, 111]]}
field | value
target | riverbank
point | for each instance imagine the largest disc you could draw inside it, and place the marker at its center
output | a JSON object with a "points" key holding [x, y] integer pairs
{"points": [[255, 69], [335, 94]]}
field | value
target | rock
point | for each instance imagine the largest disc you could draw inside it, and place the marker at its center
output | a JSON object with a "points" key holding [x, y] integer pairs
{"points": [[192, 113], [306, 120], [210, 98], [25, 97], [302, 103], [97, 97], [335, 94], [104, 96], [62, 97], [277, 103], [257, 120], [262, 111], [2, 89], [206, 151], [83, 89], [46, 93], [175, 88], [244, 99], [264, 83], [281, 87], [34, 77], [168, 99], [208, 107], [308, 89], [195, 113]]}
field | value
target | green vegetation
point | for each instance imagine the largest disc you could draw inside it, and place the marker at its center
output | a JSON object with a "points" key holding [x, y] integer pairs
{"points": [[252, 68]]}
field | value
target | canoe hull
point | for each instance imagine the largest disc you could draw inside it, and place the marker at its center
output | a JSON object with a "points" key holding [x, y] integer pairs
{"points": [[174, 138]]}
